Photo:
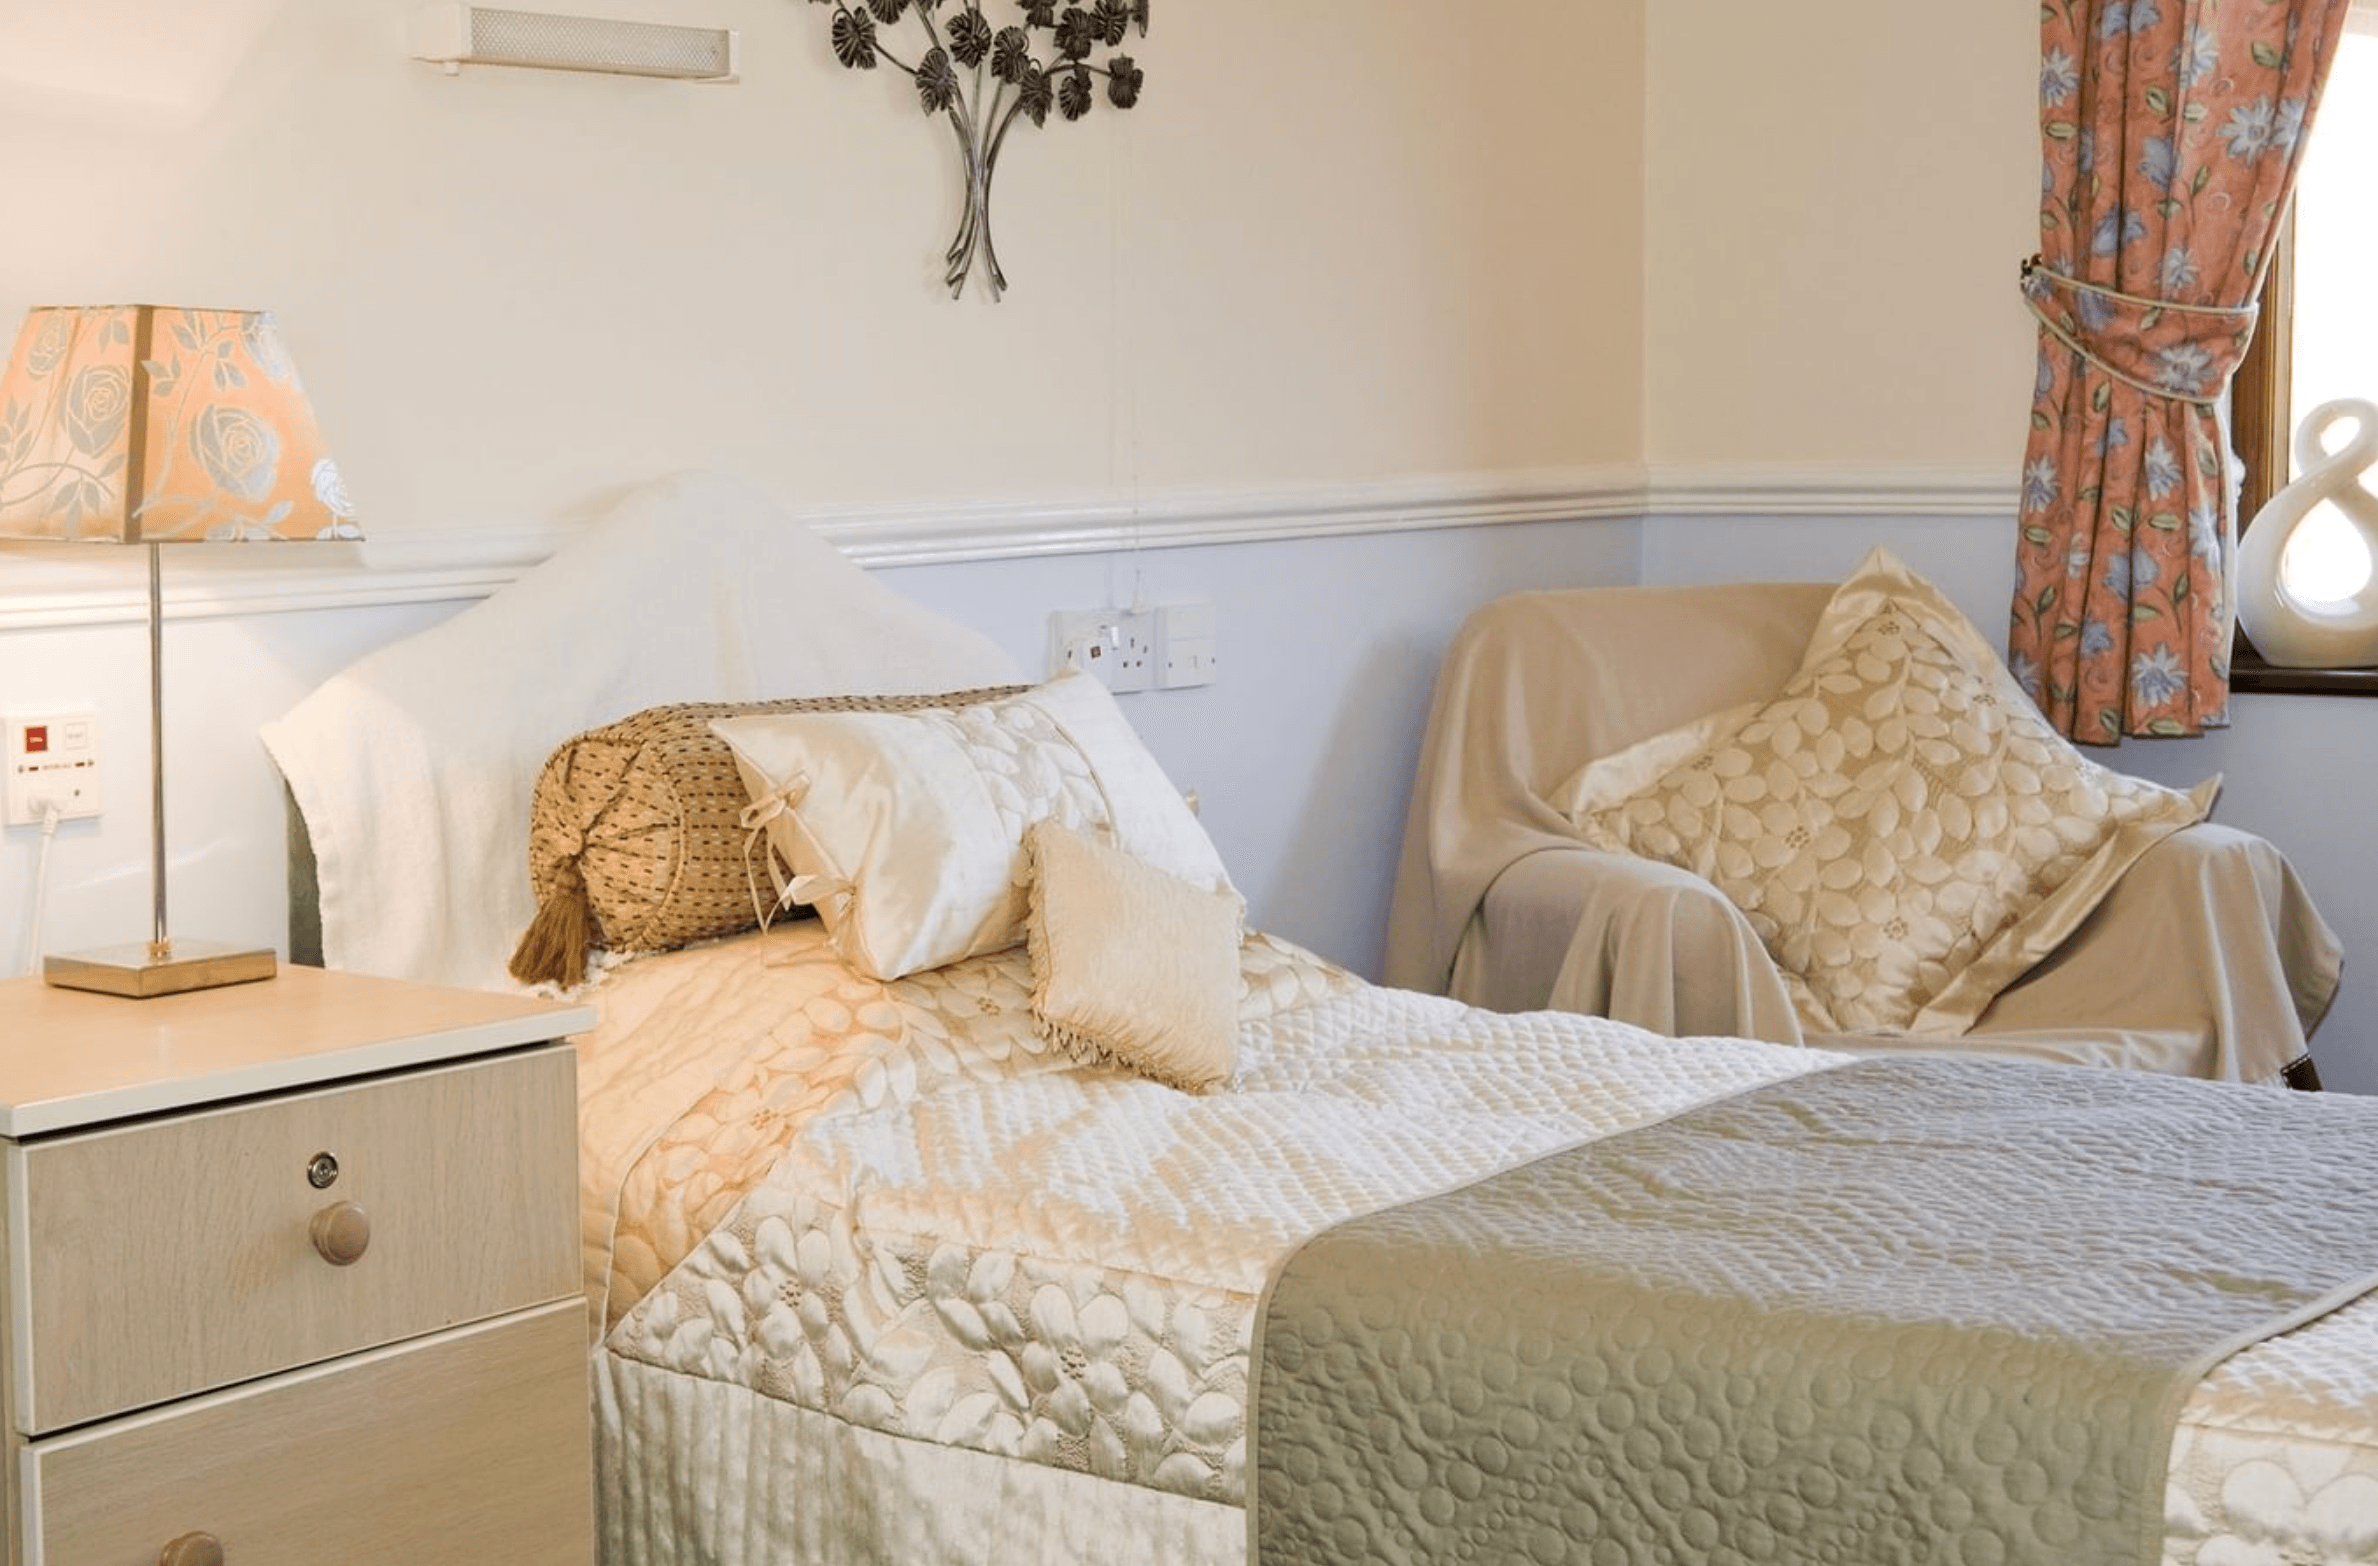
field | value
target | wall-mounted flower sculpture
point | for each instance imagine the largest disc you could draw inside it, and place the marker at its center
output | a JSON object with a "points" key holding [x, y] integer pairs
{"points": [[1048, 60]]}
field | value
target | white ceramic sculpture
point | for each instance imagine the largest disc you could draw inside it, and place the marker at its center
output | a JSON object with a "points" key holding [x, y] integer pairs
{"points": [[2289, 630]]}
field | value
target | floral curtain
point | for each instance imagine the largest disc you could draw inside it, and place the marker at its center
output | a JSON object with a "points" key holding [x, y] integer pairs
{"points": [[2172, 131]]}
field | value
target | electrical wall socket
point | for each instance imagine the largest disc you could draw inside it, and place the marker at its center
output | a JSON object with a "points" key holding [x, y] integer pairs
{"points": [[52, 760], [1187, 649], [1166, 648], [1115, 646]]}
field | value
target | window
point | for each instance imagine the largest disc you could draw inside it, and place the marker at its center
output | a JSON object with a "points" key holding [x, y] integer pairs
{"points": [[2318, 340]]}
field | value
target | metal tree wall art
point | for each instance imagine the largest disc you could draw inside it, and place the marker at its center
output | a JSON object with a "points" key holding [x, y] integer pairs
{"points": [[1048, 59]]}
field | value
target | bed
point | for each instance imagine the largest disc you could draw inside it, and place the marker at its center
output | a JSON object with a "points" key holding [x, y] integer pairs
{"points": [[881, 1267]]}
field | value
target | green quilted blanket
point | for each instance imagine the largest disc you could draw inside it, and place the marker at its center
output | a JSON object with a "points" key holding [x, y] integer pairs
{"points": [[1925, 1309]]}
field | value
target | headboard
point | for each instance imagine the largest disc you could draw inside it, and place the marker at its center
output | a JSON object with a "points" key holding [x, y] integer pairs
{"points": [[305, 889], [413, 767]]}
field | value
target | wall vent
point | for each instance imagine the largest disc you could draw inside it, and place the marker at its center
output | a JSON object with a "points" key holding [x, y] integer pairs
{"points": [[456, 35]]}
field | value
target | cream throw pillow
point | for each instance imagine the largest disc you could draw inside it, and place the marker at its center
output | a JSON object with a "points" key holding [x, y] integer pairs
{"points": [[1131, 966], [906, 830], [1899, 824]]}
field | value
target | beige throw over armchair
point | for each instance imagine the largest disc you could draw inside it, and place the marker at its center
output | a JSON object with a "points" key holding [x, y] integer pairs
{"points": [[2206, 959]]}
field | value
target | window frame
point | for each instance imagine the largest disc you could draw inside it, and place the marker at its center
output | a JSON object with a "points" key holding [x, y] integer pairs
{"points": [[2262, 431]]}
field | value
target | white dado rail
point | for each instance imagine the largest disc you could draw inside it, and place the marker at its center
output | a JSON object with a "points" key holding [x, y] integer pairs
{"points": [[56, 586]]}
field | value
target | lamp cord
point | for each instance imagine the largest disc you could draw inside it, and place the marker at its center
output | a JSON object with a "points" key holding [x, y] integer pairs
{"points": [[50, 817]]}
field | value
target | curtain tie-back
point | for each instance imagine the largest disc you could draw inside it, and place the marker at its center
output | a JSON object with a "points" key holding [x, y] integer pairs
{"points": [[2183, 351]]}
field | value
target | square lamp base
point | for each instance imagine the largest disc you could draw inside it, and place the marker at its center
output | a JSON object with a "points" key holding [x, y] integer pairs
{"points": [[145, 971]]}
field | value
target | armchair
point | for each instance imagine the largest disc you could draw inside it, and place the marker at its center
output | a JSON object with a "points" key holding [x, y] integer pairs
{"points": [[2207, 958]]}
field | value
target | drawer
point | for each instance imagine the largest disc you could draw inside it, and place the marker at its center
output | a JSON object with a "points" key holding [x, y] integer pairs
{"points": [[468, 1448], [165, 1257]]}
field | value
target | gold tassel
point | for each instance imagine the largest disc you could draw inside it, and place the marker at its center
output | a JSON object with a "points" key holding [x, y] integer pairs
{"points": [[553, 950]]}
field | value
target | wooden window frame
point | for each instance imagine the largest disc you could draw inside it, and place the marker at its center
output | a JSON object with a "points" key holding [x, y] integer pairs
{"points": [[2261, 431]]}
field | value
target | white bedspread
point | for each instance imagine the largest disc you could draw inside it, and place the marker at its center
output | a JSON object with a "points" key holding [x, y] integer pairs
{"points": [[899, 1224]]}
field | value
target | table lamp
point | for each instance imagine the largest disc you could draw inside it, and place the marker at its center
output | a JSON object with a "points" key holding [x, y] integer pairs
{"points": [[145, 424]]}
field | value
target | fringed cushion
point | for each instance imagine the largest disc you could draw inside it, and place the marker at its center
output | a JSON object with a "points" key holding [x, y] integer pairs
{"points": [[635, 835], [1130, 966]]}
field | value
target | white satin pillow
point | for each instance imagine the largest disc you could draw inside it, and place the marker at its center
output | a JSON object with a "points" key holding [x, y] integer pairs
{"points": [[906, 830]]}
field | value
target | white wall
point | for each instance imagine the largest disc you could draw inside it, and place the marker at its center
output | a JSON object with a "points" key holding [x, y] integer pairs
{"points": [[1325, 246], [1326, 252], [1838, 199]]}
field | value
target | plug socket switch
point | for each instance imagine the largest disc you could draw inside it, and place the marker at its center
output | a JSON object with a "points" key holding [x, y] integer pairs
{"points": [[52, 760], [1187, 647]]}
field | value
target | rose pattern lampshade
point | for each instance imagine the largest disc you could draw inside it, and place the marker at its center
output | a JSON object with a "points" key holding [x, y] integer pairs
{"points": [[138, 424], [145, 424]]}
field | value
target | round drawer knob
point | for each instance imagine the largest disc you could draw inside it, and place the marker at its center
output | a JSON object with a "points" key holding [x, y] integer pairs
{"points": [[192, 1549], [341, 1233]]}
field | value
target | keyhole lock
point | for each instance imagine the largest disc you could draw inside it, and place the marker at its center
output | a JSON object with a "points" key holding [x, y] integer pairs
{"points": [[323, 1172]]}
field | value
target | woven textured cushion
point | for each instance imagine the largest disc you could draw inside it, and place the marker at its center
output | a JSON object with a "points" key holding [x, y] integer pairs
{"points": [[1900, 825], [641, 820], [1130, 966], [906, 830]]}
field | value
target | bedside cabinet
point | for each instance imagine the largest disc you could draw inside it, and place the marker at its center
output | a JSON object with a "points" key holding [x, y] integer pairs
{"points": [[292, 1278]]}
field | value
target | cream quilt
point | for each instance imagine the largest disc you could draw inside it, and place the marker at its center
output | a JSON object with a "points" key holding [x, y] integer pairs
{"points": [[889, 1210]]}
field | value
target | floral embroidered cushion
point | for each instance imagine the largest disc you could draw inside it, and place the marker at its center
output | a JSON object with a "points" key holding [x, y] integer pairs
{"points": [[1901, 827]]}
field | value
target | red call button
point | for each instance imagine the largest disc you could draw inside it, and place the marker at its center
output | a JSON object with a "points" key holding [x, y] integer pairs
{"points": [[37, 738]]}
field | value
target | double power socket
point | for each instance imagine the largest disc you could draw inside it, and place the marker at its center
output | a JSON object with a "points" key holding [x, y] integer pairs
{"points": [[1166, 648]]}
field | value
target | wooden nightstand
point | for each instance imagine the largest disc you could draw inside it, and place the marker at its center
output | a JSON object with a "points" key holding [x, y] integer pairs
{"points": [[292, 1277]]}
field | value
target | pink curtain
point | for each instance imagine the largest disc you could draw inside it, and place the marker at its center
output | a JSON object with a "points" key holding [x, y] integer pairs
{"points": [[2172, 131]]}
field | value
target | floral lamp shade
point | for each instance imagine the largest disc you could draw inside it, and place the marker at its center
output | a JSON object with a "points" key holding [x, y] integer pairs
{"points": [[146, 424], [142, 424]]}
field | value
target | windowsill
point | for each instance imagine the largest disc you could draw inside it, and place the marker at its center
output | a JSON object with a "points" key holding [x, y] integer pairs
{"points": [[2247, 672]]}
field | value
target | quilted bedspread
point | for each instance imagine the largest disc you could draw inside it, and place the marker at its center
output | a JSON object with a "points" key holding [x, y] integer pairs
{"points": [[1899, 1311], [890, 1204]]}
